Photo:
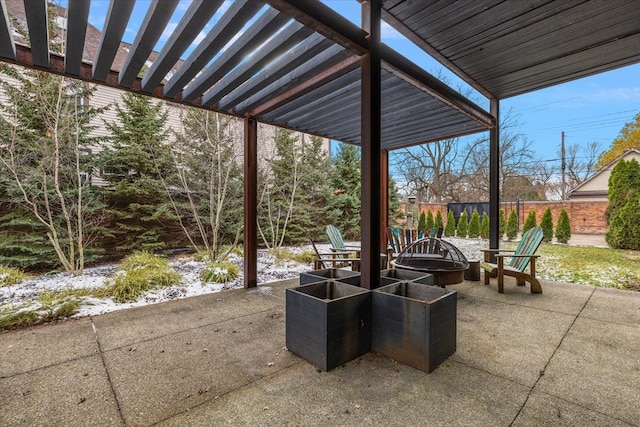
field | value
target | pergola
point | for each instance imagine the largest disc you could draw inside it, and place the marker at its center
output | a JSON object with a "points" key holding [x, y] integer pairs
{"points": [[300, 65]]}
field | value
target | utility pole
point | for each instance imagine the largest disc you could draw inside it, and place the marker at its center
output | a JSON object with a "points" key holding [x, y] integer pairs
{"points": [[564, 167]]}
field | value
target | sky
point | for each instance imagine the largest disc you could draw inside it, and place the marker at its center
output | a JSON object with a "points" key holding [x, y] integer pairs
{"points": [[592, 109]]}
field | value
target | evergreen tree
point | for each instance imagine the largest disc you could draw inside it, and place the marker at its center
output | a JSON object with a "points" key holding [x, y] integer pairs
{"points": [[546, 223], [474, 225], [463, 225], [530, 222], [450, 228], [563, 227], [438, 223], [484, 227], [345, 200], [135, 161], [512, 225], [503, 223], [622, 211], [395, 214], [45, 162], [422, 222], [429, 224]]}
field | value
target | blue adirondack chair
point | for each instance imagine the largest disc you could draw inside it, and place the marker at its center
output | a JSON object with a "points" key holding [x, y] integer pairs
{"points": [[519, 259]]}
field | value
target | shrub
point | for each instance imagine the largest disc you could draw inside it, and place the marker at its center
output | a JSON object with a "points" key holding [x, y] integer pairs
{"points": [[563, 227], [430, 223], [503, 223], [622, 210], [512, 225], [546, 223], [484, 227], [422, 222], [463, 225], [10, 276], [530, 222], [438, 221], [219, 272], [139, 272], [450, 228], [474, 225]]}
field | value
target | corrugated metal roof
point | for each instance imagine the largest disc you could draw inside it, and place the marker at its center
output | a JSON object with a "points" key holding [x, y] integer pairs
{"points": [[301, 73], [507, 48]]}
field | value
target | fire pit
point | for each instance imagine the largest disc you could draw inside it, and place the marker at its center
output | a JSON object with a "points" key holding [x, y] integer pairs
{"points": [[435, 256]]}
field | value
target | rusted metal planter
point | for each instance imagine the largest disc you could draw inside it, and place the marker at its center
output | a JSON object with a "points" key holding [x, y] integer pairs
{"points": [[414, 324], [328, 323], [394, 275], [344, 276]]}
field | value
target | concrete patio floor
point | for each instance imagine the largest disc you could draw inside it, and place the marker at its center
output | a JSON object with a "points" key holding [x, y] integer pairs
{"points": [[569, 356]]}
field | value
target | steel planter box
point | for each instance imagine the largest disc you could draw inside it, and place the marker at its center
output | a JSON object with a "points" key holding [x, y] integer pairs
{"points": [[415, 324], [344, 276], [328, 323], [393, 275]]}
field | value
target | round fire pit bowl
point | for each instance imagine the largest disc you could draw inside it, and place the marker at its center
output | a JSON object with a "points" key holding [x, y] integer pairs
{"points": [[435, 256]]}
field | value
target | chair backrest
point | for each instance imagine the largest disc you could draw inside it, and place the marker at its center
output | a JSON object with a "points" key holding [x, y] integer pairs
{"points": [[318, 257], [335, 237], [528, 246]]}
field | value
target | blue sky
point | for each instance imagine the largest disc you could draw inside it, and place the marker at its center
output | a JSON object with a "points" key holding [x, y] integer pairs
{"points": [[590, 109]]}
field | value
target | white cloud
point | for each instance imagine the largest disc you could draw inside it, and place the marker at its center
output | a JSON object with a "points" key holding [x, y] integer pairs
{"points": [[388, 32], [171, 27]]}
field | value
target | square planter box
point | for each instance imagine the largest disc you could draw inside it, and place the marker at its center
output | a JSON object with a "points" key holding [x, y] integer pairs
{"points": [[328, 323], [344, 276], [393, 275], [414, 324]]}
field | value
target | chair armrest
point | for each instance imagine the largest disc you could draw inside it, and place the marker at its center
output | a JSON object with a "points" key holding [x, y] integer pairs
{"points": [[495, 250], [518, 256]]}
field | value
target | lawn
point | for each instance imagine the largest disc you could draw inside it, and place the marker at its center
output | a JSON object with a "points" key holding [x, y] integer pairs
{"points": [[610, 268]]}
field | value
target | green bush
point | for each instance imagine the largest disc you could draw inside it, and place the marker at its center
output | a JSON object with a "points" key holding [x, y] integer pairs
{"points": [[622, 210], [430, 223], [422, 221], [474, 225], [512, 225], [438, 221], [503, 223], [484, 226], [10, 276], [463, 225], [450, 228], [530, 222], [546, 223], [139, 272], [563, 227], [219, 272]]}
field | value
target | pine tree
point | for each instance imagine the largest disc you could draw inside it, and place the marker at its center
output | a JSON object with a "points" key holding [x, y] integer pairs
{"points": [[512, 225], [395, 214], [503, 223], [530, 222], [135, 162], [430, 224], [622, 211], [484, 227], [45, 162], [450, 228], [463, 225], [474, 225], [563, 227], [422, 222], [546, 223], [437, 222], [345, 200]]}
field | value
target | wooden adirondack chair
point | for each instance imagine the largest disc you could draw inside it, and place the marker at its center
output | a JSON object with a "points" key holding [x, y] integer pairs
{"points": [[520, 258], [337, 242], [399, 239], [334, 259]]}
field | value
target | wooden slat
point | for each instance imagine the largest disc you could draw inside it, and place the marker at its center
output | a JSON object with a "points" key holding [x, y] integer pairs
{"points": [[76, 34], [293, 34], [114, 27], [193, 21], [36, 12], [263, 28], [7, 46], [240, 12], [155, 21]]}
